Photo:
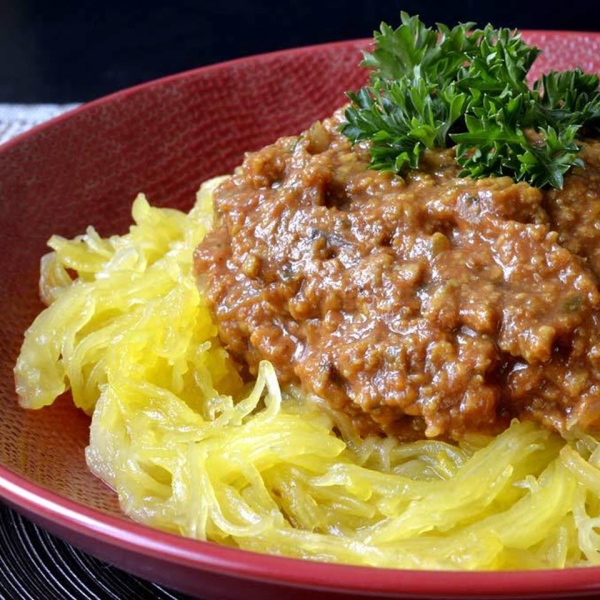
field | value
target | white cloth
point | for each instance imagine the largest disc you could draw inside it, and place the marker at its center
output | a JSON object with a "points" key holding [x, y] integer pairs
{"points": [[18, 118]]}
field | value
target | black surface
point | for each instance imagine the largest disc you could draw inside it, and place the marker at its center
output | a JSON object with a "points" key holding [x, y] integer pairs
{"points": [[37, 566], [78, 50]]}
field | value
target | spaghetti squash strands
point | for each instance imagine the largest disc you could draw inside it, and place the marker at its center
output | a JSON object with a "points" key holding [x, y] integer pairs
{"points": [[191, 448]]}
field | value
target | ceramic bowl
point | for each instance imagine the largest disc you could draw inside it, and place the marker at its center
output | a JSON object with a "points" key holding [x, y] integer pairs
{"points": [[164, 138]]}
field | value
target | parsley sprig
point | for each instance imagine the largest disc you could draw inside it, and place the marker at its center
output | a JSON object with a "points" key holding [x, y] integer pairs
{"points": [[467, 88]]}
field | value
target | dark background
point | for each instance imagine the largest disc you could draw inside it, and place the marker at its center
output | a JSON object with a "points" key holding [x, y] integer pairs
{"points": [[78, 50]]}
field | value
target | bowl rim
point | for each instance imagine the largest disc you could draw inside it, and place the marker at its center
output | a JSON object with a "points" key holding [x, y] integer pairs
{"points": [[358, 43], [125, 534], [121, 532]]}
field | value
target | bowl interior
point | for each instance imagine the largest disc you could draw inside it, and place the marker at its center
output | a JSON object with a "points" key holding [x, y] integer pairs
{"points": [[164, 139]]}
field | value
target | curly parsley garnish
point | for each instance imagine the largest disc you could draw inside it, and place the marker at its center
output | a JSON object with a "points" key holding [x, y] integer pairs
{"points": [[467, 88]]}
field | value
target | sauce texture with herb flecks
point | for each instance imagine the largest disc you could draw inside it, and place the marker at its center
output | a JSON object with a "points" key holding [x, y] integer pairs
{"points": [[427, 305]]}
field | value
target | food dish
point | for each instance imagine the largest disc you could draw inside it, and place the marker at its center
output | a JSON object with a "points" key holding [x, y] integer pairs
{"points": [[317, 574]]}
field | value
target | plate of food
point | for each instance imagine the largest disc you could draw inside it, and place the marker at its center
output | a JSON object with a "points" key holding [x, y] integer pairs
{"points": [[317, 323]]}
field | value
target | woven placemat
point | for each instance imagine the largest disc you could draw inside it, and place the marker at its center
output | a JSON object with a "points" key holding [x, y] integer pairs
{"points": [[19, 118]]}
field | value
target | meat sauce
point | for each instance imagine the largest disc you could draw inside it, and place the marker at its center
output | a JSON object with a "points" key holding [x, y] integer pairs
{"points": [[428, 305]]}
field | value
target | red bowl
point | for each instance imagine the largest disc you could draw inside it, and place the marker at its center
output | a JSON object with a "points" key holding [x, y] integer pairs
{"points": [[164, 138]]}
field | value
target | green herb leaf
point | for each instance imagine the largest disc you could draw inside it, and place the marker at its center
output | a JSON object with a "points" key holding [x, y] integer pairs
{"points": [[467, 88]]}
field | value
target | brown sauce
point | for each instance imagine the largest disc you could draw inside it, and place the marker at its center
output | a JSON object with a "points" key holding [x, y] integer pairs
{"points": [[423, 306]]}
